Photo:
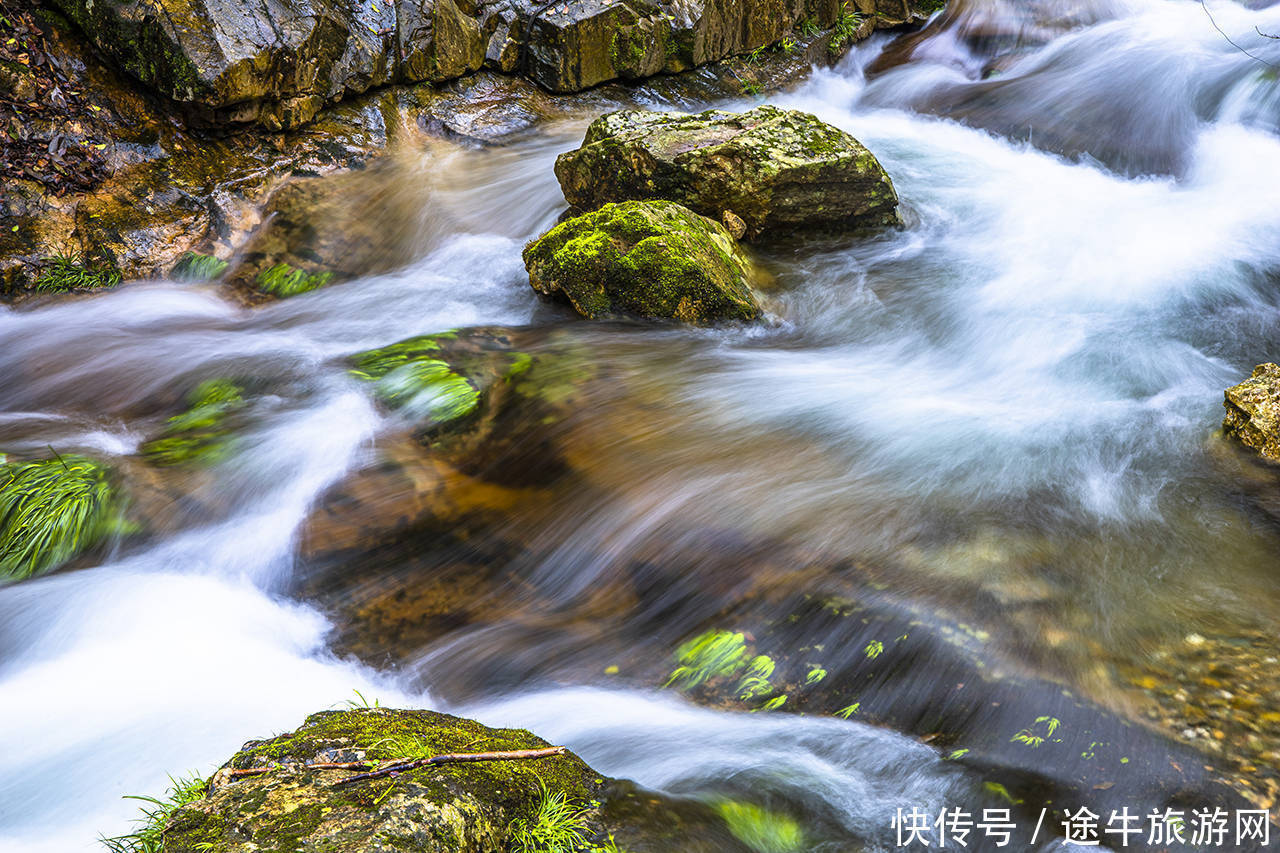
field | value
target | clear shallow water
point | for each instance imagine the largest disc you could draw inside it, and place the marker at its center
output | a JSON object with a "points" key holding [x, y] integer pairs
{"points": [[1018, 389]]}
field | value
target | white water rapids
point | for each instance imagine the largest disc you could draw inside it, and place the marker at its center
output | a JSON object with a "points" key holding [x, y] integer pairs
{"points": [[1092, 255]]}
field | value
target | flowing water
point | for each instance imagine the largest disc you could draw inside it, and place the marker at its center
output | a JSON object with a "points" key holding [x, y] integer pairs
{"points": [[1011, 400]]}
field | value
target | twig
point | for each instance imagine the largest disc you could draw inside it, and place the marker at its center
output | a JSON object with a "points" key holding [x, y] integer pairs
{"points": [[453, 758], [1232, 43], [60, 459], [256, 771], [1264, 35]]}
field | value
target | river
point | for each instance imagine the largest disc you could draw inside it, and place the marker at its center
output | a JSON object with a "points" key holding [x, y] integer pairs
{"points": [[1012, 400]]}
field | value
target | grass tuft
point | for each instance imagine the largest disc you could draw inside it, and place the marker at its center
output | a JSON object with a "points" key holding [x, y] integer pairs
{"points": [[844, 31], [284, 280], [147, 835], [65, 273], [558, 825], [50, 511], [194, 266]]}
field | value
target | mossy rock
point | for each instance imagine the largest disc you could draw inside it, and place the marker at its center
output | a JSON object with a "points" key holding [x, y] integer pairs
{"points": [[1253, 411], [201, 434], [778, 170], [451, 808], [644, 259], [478, 400], [51, 511]]}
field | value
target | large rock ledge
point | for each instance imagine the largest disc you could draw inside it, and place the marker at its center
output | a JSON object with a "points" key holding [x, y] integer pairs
{"points": [[474, 807], [279, 62]]}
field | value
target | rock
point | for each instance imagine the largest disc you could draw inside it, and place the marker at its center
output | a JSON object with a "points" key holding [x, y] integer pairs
{"points": [[278, 63], [474, 807], [645, 259], [1253, 411], [778, 170], [331, 228]]}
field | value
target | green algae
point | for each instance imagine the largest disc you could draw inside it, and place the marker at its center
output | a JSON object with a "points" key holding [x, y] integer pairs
{"points": [[647, 259], [411, 375], [762, 830], [51, 510], [284, 280], [200, 434], [194, 266]]}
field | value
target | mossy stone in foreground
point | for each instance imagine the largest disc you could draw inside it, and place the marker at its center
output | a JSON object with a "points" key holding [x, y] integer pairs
{"points": [[1253, 411], [644, 259], [452, 808], [51, 510], [778, 170]]}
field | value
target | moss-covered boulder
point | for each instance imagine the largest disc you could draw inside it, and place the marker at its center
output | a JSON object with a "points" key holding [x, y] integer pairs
{"points": [[644, 259], [778, 170], [473, 807], [1253, 411]]}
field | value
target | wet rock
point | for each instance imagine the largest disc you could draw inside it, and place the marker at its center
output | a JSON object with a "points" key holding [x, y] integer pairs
{"points": [[1253, 411], [644, 259], [482, 415], [778, 170], [331, 228], [475, 807], [278, 64]]}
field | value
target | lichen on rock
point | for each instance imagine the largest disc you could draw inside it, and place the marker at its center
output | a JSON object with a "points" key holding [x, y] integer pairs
{"points": [[1253, 411], [645, 259], [777, 170]]}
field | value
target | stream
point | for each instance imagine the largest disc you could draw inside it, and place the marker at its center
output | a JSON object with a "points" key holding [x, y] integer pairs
{"points": [[1007, 407]]}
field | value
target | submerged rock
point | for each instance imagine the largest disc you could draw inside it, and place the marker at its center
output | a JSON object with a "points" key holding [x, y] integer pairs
{"points": [[1253, 411], [472, 807], [644, 259], [777, 170], [201, 434]]}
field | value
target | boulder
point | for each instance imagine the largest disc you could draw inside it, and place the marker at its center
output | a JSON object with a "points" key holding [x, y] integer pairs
{"points": [[645, 259], [1253, 411], [462, 807], [777, 170]]}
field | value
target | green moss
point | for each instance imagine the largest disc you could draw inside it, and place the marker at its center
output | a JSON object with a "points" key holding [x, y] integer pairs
{"points": [[644, 258], [411, 375], [761, 830], [197, 267], [200, 434], [381, 732], [65, 273], [284, 280], [52, 510]]}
